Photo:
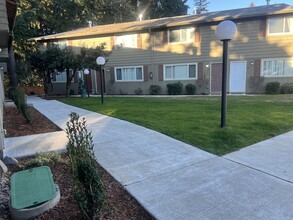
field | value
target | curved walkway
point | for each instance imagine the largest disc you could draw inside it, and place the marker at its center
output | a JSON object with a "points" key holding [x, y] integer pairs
{"points": [[173, 180]]}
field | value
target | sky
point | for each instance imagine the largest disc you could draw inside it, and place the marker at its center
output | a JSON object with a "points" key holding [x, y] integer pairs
{"points": [[220, 5]]}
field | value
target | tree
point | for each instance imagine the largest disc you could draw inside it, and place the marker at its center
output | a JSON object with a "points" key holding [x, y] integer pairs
{"points": [[251, 4], [168, 8], [45, 63], [200, 6], [53, 59]]}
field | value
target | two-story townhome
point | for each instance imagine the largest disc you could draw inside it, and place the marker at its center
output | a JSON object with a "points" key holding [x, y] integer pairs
{"points": [[185, 49]]}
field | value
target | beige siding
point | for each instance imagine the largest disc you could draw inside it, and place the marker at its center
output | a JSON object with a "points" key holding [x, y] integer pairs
{"points": [[92, 42], [248, 45], [3, 16], [4, 53], [133, 56]]}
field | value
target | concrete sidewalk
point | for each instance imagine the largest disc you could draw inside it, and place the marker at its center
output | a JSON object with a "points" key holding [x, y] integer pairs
{"points": [[173, 180]]}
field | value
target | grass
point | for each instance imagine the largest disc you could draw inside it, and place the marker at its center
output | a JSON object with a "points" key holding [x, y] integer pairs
{"points": [[196, 120]]}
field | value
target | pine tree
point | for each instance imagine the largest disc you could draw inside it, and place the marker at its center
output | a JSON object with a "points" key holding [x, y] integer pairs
{"points": [[200, 6]]}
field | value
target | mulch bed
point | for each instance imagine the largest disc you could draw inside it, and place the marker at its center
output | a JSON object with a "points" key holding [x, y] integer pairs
{"points": [[119, 204], [15, 124]]}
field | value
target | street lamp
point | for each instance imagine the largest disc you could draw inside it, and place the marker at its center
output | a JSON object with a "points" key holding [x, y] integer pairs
{"points": [[86, 72], [225, 31], [101, 61]]}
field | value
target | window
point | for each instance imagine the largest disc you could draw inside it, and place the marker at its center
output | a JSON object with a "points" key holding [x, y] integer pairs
{"points": [[181, 35], [60, 77], [180, 71], [133, 73], [126, 40], [280, 25], [61, 44], [279, 67]]}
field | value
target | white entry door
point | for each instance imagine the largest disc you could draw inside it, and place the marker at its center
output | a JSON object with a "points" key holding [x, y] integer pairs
{"points": [[237, 77]]}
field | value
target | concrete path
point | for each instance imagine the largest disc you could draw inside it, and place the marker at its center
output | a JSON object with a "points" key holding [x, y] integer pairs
{"points": [[173, 180]]}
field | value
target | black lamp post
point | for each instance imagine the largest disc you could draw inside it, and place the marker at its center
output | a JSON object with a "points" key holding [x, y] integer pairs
{"points": [[86, 72], [101, 61], [225, 31]]}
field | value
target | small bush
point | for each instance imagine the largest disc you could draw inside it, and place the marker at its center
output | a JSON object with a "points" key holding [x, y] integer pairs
{"points": [[154, 89], [45, 159], [88, 190], [138, 91], [273, 88], [287, 88], [174, 88], [18, 97], [190, 89]]}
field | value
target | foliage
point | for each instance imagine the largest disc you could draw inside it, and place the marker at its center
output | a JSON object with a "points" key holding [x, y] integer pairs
{"points": [[196, 120], [138, 91], [87, 184], [287, 88], [18, 97], [154, 89], [174, 88], [190, 89], [45, 159], [201, 6], [273, 88]]}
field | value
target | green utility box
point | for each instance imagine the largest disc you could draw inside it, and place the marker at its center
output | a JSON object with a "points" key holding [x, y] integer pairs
{"points": [[32, 187]]}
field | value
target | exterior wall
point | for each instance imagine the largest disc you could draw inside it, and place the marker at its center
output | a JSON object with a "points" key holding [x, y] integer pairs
{"points": [[91, 42], [1, 115], [249, 45], [3, 16], [60, 88]]}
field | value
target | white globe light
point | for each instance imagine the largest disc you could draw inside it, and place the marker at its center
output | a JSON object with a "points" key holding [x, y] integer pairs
{"points": [[226, 30], [100, 60], [86, 71]]}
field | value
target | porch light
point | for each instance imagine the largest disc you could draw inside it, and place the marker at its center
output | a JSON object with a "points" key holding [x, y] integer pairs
{"points": [[101, 61], [225, 31]]}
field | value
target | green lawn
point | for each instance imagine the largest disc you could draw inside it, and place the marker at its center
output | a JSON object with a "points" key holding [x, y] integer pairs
{"points": [[196, 120]]}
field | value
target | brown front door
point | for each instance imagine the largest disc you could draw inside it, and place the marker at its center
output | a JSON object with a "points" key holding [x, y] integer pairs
{"points": [[216, 77]]}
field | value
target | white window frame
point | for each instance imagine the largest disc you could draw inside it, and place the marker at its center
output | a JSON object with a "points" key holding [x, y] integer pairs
{"points": [[273, 59], [124, 67], [180, 64], [191, 29], [126, 37], [281, 33]]}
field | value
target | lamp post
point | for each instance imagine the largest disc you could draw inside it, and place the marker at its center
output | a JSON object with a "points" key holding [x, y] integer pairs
{"points": [[86, 72], [101, 61], [225, 31]]}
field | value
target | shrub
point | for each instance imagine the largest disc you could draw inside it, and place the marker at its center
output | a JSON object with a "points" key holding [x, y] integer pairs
{"points": [[174, 88], [18, 97], [154, 89], [287, 88], [138, 91], [88, 190], [190, 89], [45, 159], [273, 88]]}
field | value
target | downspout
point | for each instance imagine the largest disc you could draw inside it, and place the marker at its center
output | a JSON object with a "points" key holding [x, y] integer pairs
{"points": [[152, 41]]}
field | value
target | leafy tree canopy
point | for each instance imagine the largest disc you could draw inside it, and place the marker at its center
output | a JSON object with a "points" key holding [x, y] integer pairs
{"points": [[200, 6]]}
